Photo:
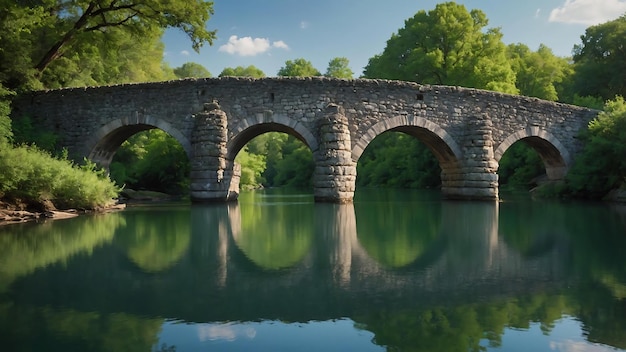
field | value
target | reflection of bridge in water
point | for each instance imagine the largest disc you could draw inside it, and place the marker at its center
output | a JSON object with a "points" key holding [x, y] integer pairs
{"points": [[336, 277]]}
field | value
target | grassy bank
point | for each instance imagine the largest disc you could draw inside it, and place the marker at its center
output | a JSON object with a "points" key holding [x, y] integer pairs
{"points": [[33, 179]]}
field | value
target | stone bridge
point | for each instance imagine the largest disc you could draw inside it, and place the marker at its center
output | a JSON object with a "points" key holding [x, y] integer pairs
{"points": [[468, 130]]}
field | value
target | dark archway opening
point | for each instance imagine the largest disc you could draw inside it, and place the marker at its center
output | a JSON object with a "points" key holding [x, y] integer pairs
{"points": [[398, 160], [275, 159], [151, 160], [522, 166]]}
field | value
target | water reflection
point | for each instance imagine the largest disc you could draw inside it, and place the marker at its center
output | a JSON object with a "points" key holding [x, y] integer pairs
{"points": [[414, 272]]}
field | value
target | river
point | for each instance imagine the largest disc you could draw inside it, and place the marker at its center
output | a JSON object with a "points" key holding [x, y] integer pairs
{"points": [[395, 271]]}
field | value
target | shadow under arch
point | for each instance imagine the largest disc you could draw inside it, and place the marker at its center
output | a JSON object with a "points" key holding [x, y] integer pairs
{"points": [[432, 135], [251, 127], [555, 157], [101, 147]]}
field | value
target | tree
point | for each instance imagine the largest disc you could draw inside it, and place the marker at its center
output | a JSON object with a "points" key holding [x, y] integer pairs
{"points": [[298, 68], [240, 71], [447, 45], [602, 165], [537, 72], [152, 160], [36, 34], [339, 68], [191, 69], [600, 61]]}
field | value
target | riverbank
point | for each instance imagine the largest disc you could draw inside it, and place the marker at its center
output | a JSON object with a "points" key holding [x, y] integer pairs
{"points": [[13, 214]]}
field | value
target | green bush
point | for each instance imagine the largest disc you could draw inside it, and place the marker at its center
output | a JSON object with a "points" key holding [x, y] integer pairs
{"points": [[602, 165], [32, 176]]}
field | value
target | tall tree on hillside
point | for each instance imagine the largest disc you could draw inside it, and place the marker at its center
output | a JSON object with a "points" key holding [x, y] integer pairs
{"points": [[447, 45], [600, 61], [191, 69], [298, 68], [339, 67], [34, 35], [240, 71], [538, 72]]}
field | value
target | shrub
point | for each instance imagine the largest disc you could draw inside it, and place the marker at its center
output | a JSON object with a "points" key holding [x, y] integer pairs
{"points": [[33, 176], [602, 165]]}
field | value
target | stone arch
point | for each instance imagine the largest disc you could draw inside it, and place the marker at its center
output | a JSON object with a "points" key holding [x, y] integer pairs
{"points": [[555, 157], [436, 138], [103, 144], [251, 127]]}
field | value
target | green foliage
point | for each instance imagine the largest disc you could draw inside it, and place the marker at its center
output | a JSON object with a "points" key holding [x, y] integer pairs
{"points": [[588, 101], [339, 67], [537, 73], [73, 43], [298, 68], [602, 165], [252, 167], [240, 71], [276, 159], [33, 176], [296, 167], [191, 69], [519, 165], [600, 60], [448, 46], [25, 133], [152, 160], [6, 132], [398, 160]]}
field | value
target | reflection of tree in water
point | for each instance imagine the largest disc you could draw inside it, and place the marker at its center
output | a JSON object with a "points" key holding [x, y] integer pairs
{"points": [[153, 241], [464, 327], [413, 231], [25, 248], [70, 330], [275, 236]]}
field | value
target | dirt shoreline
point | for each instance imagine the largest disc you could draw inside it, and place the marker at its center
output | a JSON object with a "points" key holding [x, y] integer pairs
{"points": [[10, 216]]}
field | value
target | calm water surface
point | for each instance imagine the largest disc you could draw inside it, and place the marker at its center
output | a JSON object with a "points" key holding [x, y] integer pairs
{"points": [[395, 271]]}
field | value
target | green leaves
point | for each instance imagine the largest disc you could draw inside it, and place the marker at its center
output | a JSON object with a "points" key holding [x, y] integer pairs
{"points": [[339, 68], [240, 71], [446, 45], [191, 69], [602, 165], [600, 60], [55, 44], [298, 68]]}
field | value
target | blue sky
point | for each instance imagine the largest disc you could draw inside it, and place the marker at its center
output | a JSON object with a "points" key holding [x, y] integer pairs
{"points": [[267, 33]]}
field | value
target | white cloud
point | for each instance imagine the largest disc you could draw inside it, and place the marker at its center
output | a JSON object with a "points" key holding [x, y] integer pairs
{"points": [[184, 52], [248, 46], [537, 13], [280, 44], [588, 12]]}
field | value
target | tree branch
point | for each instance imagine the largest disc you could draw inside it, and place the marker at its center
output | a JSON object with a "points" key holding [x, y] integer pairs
{"points": [[55, 50]]}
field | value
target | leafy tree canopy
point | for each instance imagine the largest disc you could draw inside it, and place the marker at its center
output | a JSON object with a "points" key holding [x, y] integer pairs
{"points": [[240, 71], [601, 60], [191, 69], [538, 73], [51, 43], [339, 68], [298, 68], [602, 166], [447, 45]]}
